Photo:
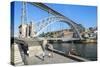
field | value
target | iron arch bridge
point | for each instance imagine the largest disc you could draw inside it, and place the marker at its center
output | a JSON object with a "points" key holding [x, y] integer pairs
{"points": [[42, 24]]}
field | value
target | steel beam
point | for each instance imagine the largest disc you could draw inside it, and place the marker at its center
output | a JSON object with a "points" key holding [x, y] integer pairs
{"points": [[47, 9], [53, 12]]}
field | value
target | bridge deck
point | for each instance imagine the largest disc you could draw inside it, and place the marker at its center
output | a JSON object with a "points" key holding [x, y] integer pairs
{"points": [[63, 39], [40, 38]]}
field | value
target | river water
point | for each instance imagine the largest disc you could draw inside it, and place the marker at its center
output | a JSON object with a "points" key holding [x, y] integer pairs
{"points": [[88, 51]]}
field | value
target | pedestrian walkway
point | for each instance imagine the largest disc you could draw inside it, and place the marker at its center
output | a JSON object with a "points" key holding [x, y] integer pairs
{"points": [[50, 60]]}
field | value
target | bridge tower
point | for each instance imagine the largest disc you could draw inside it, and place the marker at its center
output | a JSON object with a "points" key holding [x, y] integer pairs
{"points": [[32, 29], [26, 30], [23, 26]]}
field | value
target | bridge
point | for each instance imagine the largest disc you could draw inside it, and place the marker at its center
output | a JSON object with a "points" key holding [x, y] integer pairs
{"points": [[27, 33], [29, 39], [50, 20], [57, 17], [62, 39], [26, 30]]}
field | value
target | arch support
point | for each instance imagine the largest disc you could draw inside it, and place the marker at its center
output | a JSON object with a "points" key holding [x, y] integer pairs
{"points": [[52, 19]]}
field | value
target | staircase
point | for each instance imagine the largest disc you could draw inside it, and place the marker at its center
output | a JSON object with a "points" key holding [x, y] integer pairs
{"points": [[16, 58]]}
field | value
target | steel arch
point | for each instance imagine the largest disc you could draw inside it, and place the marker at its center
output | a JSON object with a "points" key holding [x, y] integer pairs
{"points": [[42, 24]]}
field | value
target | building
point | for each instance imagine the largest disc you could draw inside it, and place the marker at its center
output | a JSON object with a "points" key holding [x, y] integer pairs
{"points": [[22, 31], [27, 30], [62, 33]]}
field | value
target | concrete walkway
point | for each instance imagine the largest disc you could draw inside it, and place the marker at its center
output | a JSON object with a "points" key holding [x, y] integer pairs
{"points": [[50, 60]]}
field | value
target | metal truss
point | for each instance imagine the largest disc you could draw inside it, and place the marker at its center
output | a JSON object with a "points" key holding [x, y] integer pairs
{"points": [[42, 24]]}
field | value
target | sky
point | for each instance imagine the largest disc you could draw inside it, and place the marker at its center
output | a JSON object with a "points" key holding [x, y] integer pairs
{"points": [[85, 15]]}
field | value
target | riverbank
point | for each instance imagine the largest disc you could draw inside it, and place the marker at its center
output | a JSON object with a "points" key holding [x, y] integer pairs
{"points": [[87, 51], [85, 41]]}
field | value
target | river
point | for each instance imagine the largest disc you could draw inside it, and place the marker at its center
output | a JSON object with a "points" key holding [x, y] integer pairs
{"points": [[88, 51]]}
